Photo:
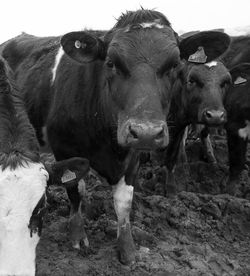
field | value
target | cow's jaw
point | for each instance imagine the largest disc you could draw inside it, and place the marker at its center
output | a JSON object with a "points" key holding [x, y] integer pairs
{"points": [[20, 191]]}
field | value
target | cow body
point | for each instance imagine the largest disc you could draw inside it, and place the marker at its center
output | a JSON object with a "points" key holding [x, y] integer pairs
{"points": [[198, 93], [237, 103], [104, 98], [23, 181]]}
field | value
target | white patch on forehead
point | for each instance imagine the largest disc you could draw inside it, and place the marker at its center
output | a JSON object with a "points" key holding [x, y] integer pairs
{"points": [[20, 191], [245, 132], [211, 64], [151, 25], [58, 58]]}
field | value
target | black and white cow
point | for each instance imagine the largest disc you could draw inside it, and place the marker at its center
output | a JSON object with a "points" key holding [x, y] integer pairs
{"points": [[198, 90], [237, 104], [102, 96], [23, 181]]}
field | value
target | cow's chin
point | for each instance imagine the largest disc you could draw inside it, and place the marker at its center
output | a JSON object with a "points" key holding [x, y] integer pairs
{"points": [[211, 124], [127, 142], [18, 252]]}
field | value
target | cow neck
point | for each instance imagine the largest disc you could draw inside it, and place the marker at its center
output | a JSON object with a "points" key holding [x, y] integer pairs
{"points": [[18, 142], [178, 109]]}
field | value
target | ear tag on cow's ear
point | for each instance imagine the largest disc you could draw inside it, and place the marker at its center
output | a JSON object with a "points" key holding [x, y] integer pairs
{"points": [[79, 44], [199, 56], [240, 80], [68, 176]]}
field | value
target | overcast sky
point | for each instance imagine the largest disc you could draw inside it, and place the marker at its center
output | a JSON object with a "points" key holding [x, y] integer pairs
{"points": [[56, 17]]}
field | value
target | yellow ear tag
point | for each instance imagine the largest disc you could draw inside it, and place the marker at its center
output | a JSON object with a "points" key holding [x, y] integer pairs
{"points": [[199, 56], [78, 44], [68, 176], [240, 80]]}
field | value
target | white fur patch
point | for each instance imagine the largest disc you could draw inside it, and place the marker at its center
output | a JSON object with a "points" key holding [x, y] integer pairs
{"points": [[20, 191], [211, 64], [123, 196], [58, 58], [151, 25], [245, 132]]}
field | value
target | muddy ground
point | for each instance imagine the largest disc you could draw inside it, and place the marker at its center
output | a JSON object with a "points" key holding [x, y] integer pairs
{"points": [[199, 231]]}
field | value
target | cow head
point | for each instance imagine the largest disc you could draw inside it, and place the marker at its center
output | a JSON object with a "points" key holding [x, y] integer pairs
{"points": [[202, 79], [22, 206], [137, 56]]}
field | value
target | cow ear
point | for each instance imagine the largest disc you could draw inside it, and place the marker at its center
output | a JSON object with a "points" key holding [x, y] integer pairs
{"points": [[240, 73], [83, 47], [67, 172], [214, 44]]}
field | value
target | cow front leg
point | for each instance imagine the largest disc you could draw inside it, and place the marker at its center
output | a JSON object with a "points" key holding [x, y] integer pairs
{"points": [[123, 195], [208, 151], [77, 196]]}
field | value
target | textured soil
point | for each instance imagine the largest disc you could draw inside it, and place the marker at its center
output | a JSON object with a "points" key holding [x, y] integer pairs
{"points": [[198, 231]]}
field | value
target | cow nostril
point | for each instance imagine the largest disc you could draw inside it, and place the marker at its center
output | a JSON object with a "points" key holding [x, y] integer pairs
{"points": [[222, 115], [133, 132], [160, 133], [208, 114]]}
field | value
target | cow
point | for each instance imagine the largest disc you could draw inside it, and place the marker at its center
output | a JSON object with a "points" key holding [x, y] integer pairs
{"points": [[23, 181], [198, 92], [237, 104], [236, 59], [104, 97], [238, 52]]}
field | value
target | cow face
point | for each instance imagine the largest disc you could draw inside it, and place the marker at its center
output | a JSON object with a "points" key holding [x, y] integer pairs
{"points": [[20, 192], [137, 65], [22, 207], [203, 79]]}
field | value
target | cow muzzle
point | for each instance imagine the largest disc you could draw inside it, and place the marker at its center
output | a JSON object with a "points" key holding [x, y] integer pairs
{"points": [[214, 117], [145, 135]]}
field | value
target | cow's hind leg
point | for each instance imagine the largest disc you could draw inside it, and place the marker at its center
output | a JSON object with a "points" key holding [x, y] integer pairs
{"points": [[76, 194], [123, 195]]}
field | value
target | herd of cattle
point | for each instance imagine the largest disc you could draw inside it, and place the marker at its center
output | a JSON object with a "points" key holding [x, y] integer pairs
{"points": [[104, 97]]}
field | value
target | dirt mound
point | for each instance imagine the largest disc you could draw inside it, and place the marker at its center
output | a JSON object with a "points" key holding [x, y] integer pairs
{"points": [[199, 231]]}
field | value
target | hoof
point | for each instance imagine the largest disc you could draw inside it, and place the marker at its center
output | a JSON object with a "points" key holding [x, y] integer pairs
{"points": [[76, 245], [126, 247]]}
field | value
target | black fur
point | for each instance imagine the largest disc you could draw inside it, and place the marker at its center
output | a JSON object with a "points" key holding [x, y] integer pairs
{"points": [[18, 143]]}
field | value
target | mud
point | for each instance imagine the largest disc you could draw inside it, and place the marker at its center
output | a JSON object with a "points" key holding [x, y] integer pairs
{"points": [[198, 231]]}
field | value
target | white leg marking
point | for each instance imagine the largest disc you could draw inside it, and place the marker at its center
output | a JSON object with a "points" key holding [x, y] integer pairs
{"points": [[78, 216], [245, 132], [122, 195], [58, 58], [82, 187]]}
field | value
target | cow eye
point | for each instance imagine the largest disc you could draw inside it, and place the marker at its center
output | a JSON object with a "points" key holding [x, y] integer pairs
{"points": [[110, 64], [175, 65], [191, 81]]}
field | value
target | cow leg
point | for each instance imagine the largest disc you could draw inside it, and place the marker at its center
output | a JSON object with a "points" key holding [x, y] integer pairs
{"points": [[182, 153], [77, 232], [123, 195], [171, 157], [237, 147], [208, 151]]}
